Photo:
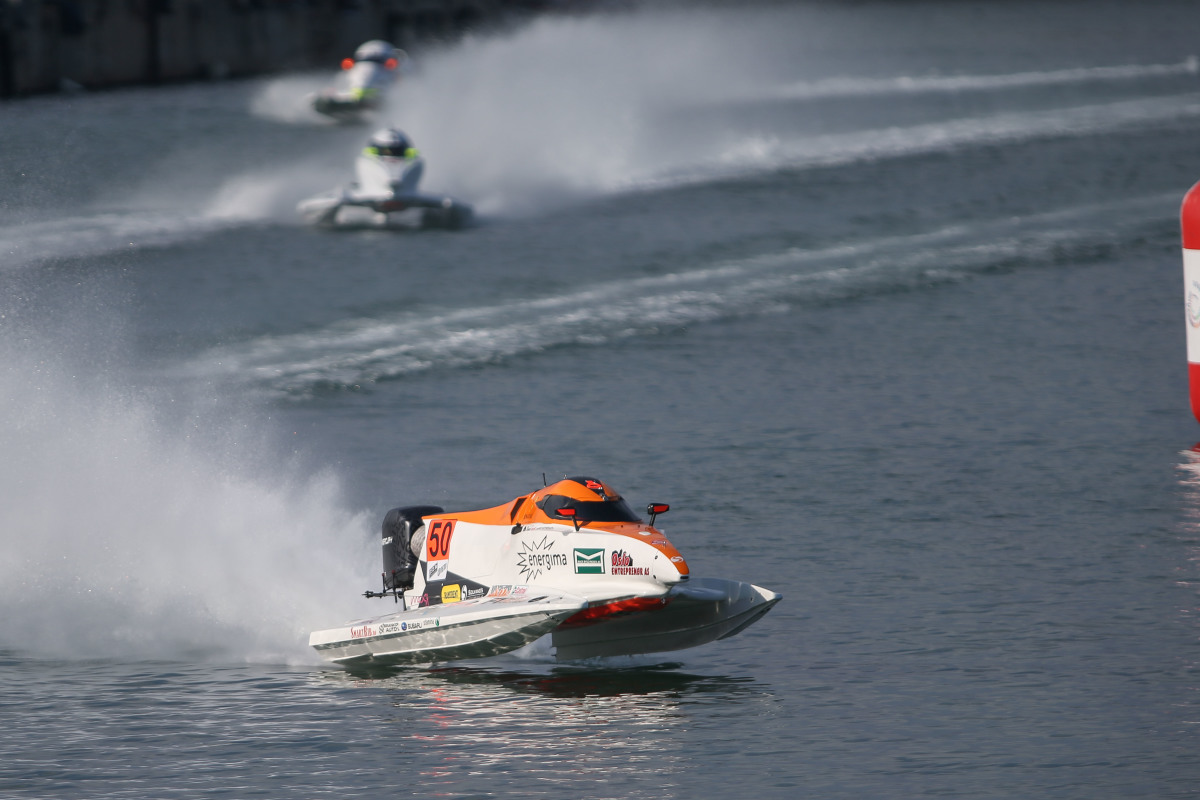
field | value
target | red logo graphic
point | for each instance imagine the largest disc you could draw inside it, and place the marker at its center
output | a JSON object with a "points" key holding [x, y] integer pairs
{"points": [[622, 564]]}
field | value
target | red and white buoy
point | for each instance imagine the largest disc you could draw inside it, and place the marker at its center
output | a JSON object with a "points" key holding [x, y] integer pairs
{"points": [[1189, 217]]}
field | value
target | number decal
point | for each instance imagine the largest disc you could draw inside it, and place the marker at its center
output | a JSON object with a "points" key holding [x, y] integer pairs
{"points": [[437, 543]]}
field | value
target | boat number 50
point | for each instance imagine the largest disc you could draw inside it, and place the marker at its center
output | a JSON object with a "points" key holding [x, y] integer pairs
{"points": [[437, 544]]}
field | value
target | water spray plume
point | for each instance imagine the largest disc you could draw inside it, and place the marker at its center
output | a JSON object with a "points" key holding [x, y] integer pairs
{"points": [[128, 535]]}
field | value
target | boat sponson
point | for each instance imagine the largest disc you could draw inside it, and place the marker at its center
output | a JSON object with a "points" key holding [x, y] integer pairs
{"points": [[697, 612], [471, 629]]}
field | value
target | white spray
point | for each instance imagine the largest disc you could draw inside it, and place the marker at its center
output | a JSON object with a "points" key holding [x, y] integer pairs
{"points": [[131, 530]]}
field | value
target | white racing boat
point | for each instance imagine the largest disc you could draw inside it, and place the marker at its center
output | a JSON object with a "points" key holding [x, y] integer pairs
{"points": [[365, 80], [388, 173], [571, 560]]}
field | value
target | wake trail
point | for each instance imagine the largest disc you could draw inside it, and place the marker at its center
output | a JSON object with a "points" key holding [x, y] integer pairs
{"points": [[589, 132], [762, 153], [835, 87], [353, 354], [102, 233], [267, 195]]}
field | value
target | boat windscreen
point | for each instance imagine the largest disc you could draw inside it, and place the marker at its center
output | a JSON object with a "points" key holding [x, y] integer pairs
{"points": [[588, 510]]}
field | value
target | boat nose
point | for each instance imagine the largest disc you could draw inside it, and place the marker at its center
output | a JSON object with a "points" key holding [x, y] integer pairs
{"points": [[673, 569]]}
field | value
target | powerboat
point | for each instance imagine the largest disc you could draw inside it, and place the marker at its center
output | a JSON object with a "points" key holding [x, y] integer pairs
{"points": [[388, 173], [366, 79], [571, 561]]}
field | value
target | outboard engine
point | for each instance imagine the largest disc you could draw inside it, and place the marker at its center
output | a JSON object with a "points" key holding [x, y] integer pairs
{"points": [[399, 561]]}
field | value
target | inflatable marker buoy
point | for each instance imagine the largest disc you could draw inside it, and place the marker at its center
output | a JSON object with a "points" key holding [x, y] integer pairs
{"points": [[1189, 218]]}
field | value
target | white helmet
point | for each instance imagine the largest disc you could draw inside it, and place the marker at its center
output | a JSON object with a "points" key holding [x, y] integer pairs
{"points": [[376, 50], [390, 142]]}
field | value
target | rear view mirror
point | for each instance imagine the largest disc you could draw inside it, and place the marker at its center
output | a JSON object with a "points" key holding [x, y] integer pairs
{"points": [[654, 509]]}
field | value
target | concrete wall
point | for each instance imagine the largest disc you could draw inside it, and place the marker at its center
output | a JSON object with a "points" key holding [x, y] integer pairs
{"points": [[47, 45]]}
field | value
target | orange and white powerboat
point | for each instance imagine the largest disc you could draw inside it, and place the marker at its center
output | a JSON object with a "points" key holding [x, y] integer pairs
{"points": [[571, 560]]}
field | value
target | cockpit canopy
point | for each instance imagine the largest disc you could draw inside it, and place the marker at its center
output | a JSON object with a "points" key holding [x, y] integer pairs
{"points": [[587, 500], [378, 51]]}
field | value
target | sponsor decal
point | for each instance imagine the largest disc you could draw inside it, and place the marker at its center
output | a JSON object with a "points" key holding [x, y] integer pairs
{"points": [[451, 593], [391, 627], [1193, 305], [420, 624], [500, 590], [589, 560], [436, 571], [471, 592], [595, 486], [365, 630], [622, 564], [387, 540], [513, 599], [536, 558], [676, 559]]}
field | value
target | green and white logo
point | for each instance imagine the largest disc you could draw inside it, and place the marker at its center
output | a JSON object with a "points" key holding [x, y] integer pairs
{"points": [[589, 560]]}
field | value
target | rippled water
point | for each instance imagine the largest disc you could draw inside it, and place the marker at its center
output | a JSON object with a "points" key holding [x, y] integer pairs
{"points": [[882, 298]]}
